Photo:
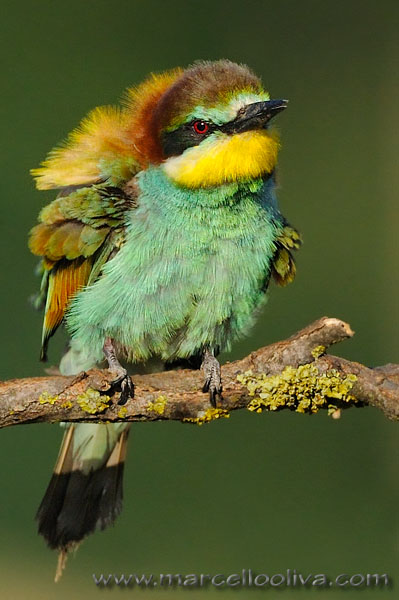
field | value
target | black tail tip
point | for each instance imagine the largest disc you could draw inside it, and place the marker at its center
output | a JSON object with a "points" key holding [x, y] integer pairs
{"points": [[76, 504]]}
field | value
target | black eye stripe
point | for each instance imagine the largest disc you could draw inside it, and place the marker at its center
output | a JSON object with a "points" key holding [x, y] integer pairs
{"points": [[185, 136]]}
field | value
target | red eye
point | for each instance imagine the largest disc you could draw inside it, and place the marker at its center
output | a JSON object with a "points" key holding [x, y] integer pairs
{"points": [[201, 127]]}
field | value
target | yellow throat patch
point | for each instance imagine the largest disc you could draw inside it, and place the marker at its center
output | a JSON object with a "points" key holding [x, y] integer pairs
{"points": [[224, 159]]}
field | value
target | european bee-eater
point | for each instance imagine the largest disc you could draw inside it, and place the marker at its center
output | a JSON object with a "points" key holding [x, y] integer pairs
{"points": [[161, 243]]}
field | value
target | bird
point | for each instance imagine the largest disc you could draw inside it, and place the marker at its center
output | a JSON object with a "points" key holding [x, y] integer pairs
{"points": [[160, 245]]}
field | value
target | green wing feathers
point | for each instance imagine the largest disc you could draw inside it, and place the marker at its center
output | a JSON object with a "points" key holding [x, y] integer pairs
{"points": [[283, 267], [76, 235]]}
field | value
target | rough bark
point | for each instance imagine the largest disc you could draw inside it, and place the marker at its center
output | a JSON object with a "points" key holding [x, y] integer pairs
{"points": [[177, 394]]}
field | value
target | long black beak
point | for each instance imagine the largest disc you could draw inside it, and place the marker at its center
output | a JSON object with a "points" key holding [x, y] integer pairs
{"points": [[254, 116]]}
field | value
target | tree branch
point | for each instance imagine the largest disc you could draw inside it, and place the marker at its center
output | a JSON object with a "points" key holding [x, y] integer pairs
{"points": [[294, 374]]}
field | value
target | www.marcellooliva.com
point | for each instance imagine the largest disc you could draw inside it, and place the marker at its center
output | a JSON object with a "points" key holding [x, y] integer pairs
{"points": [[245, 579]]}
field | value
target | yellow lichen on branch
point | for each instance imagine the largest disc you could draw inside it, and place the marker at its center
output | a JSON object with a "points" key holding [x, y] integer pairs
{"points": [[207, 416], [302, 389], [158, 405], [318, 351], [92, 402], [46, 398]]}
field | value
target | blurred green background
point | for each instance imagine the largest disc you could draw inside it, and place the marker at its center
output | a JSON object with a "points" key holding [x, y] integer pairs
{"points": [[266, 492]]}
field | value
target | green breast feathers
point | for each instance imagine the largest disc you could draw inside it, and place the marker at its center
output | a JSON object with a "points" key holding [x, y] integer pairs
{"points": [[192, 270]]}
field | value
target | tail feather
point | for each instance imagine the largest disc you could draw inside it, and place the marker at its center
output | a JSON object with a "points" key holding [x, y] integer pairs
{"points": [[77, 501], [86, 489]]}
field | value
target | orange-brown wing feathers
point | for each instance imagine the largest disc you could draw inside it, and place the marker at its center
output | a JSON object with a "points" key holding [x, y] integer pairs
{"points": [[63, 284]]}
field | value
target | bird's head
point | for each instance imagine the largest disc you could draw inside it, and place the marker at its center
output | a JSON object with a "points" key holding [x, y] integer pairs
{"points": [[207, 125]]}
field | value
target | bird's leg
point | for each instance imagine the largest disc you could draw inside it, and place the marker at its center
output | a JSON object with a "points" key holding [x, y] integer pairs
{"points": [[213, 381], [122, 379]]}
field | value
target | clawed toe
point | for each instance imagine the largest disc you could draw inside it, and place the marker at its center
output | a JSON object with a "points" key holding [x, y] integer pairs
{"points": [[124, 383], [215, 391]]}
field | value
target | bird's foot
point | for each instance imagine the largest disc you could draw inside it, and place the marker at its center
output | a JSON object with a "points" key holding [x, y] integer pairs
{"points": [[213, 381], [122, 380], [124, 383]]}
